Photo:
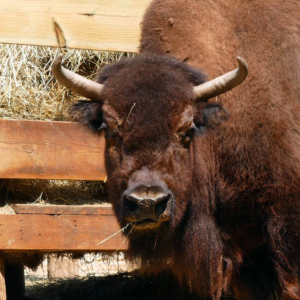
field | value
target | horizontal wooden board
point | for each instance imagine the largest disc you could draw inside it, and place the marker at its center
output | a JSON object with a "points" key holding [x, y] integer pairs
{"points": [[50, 150], [24, 232], [62, 209], [90, 24]]}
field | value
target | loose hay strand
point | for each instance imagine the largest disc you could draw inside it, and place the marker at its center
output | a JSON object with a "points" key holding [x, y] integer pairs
{"points": [[133, 226], [125, 227]]}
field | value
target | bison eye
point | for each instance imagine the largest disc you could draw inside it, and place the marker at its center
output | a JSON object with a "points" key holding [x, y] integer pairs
{"points": [[187, 138], [186, 141]]}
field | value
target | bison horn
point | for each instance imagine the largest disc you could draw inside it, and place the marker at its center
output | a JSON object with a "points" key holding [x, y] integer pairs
{"points": [[223, 83], [76, 83]]}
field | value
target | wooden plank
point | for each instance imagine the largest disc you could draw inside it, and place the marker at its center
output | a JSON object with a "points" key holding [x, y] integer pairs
{"points": [[50, 150], [60, 233], [2, 280], [90, 24], [62, 209]]}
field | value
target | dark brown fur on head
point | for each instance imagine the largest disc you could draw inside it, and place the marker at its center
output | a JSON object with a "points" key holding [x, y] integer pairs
{"points": [[235, 216], [150, 117]]}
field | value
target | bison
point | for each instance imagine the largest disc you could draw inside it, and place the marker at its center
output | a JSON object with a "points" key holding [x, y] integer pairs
{"points": [[214, 198]]}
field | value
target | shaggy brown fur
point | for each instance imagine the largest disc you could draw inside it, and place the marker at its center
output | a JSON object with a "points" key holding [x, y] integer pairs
{"points": [[236, 217]]}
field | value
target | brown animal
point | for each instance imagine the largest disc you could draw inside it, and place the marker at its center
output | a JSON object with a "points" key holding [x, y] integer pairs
{"points": [[217, 202]]}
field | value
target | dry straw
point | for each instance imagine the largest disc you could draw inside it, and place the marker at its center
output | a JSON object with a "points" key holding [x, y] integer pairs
{"points": [[27, 87]]}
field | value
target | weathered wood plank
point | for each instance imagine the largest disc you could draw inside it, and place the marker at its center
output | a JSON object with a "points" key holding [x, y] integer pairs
{"points": [[91, 24], [62, 209], [50, 150], [60, 233]]}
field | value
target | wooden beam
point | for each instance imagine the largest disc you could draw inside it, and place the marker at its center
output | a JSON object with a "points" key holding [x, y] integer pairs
{"points": [[91, 24], [50, 150], [24, 232], [103, 210]]}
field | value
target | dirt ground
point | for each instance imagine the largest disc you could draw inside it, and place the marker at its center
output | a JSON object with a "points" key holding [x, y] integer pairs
{"points": [[124, 286], [99, 276]]}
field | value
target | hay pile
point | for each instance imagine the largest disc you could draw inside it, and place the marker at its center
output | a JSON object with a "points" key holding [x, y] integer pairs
{"points": [[54, 192], [27, 87], [29, 91]]}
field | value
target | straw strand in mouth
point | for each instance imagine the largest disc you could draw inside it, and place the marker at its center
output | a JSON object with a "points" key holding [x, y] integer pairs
{"points": [[125, 238], [125, 227]]}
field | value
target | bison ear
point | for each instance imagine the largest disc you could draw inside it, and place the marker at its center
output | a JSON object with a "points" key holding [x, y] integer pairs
{"points": [[88, 113], [214, 115]]}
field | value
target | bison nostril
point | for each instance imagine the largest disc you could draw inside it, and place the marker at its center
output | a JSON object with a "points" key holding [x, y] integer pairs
{"points": [[130, 205], [162, 205]]}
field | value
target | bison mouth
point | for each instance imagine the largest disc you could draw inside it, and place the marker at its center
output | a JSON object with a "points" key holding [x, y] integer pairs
{"points": [[150, 223], [145, 224]]}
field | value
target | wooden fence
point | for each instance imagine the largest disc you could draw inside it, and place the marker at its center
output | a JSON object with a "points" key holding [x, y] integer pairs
{"points": [[61, 150], [90, 24]]}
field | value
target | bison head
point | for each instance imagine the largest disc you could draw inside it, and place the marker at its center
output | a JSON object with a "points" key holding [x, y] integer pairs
{"points": [[149, 109]]}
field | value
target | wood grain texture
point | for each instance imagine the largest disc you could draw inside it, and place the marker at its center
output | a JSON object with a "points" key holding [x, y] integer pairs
{"points": [[63, 209], [60, 233], [50, 150], [91, 24]]}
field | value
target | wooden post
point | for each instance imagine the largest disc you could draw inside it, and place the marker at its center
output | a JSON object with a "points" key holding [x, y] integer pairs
{"points": [[15, 280], [2, 280]]}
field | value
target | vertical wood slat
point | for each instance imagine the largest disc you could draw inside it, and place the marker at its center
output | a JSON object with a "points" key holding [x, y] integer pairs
{"points": [[90, 24]]}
